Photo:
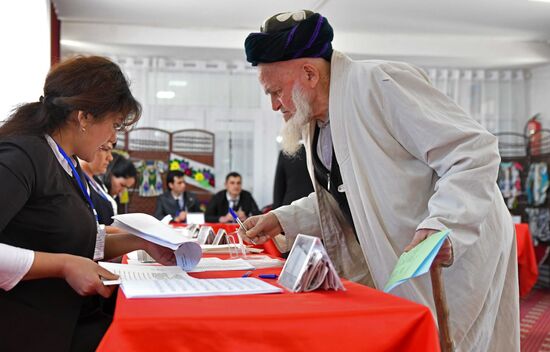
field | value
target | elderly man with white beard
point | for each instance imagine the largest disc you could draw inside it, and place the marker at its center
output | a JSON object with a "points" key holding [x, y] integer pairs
{"points": [[392, 160]]}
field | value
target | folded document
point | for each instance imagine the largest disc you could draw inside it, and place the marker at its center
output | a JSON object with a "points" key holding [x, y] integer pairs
{"points": [[417, 261], [309, 267]]}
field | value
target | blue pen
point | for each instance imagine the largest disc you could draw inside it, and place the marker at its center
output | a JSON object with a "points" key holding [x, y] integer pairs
{"points": [[241, 225], [267, 276]]}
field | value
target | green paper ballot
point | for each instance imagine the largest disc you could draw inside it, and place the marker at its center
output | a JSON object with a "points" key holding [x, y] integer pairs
{"points": [[417, 261]]}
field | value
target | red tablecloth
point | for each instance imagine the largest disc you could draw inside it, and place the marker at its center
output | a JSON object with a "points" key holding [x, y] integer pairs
{"points": [[359, 319], [268, 247], [527, 263]]}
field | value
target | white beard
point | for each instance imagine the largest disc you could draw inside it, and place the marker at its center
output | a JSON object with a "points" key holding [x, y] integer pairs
{"points": [[292, 129]]}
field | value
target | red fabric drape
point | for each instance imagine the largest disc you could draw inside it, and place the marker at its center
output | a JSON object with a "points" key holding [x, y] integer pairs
{"points": [[527, 263], [358, 319], [55, 36]]}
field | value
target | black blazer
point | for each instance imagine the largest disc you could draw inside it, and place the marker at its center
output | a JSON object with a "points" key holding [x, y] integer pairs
{"points": [[219, 206], [103, 206], [166, 204], [292, 179]]}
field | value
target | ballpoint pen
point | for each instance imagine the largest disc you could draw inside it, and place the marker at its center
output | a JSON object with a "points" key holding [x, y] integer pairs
{"points": [[241, 225], [268, 276]]}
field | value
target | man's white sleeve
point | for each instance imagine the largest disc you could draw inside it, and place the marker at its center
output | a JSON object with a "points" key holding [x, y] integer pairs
{"points": [[300, 217], [15, 263]]}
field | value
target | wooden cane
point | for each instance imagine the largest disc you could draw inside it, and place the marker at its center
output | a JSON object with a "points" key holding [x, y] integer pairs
{"points": [[438, 291]]}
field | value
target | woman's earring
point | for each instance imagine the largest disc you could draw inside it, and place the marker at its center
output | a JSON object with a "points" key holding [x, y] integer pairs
{"points": [[83, 129]]}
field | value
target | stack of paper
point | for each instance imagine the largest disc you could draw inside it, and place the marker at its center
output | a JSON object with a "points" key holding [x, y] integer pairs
{"points": [[417, 261], [229, 249], [309, 267], [217, 264], [264, 261], [251, 262], [187, 253], [140, 281]]}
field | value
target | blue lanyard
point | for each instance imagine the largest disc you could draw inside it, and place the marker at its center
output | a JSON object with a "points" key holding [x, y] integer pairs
{"points": [[78, 180], [95, 187]]}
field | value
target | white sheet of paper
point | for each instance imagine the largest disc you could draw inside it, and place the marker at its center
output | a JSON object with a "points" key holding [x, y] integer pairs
{"points": [[217, 264], [171, 281], [187, 252], [226, 248], [149, 228], [166, 220], [195, 218], [264, 261]]}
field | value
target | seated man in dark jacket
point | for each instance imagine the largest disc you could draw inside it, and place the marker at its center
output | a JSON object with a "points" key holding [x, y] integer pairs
{"points": [[176, 201], [240, 201]]}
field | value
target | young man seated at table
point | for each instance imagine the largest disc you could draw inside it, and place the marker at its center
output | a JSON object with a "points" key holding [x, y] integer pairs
{"points": [[176, 201], [233, 196]]}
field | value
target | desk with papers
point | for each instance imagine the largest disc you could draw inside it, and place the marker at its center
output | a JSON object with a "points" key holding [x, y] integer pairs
{"points": [[268, 247], [357, 319]]}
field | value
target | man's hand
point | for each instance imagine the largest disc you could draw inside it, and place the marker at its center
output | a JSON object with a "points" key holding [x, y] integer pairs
{"points": [[261, 228], [84, 275], [181, 217], [241, 214], [226, 218], [444, 256]]}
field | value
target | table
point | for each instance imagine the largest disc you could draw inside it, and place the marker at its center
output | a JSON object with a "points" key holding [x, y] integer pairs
{"points": [[358, 319], [527, 262]]}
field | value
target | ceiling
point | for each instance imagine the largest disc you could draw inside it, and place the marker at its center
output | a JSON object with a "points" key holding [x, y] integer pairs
{"points": [[483, 33]]}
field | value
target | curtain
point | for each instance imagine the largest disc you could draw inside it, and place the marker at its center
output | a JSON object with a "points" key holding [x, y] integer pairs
{"points": [[495, 98]]}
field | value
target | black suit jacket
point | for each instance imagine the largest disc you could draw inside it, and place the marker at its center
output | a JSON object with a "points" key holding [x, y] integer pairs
{"points": [[292, 179], [166, 204], [219, 206]]}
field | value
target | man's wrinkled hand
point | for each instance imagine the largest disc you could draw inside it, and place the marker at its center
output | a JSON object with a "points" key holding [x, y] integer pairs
{"points": [[261, 228], [444, 256]]}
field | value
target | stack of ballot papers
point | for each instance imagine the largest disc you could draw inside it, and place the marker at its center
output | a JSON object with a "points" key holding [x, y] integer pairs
{"points": [[263, 261], [250, 262], [205, 264], [229, 248], [309, 267], [141, 281], [187, 252]]}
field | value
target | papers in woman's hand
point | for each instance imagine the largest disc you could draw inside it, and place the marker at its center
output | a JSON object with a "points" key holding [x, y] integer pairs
{"points": [[308, 267], [140, 281], [149, 228]]}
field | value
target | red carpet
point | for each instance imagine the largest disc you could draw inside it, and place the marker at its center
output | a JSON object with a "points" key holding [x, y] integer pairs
{"points": [[534, 316]]}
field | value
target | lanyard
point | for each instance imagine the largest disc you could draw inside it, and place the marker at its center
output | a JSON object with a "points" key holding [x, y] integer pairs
{"points": [[78, 180], [96, 187]]}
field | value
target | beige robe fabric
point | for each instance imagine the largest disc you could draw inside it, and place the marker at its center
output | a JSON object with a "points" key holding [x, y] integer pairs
{"points": [[410, 158]]}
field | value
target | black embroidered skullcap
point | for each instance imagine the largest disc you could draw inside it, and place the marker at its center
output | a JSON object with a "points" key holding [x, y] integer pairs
{"points": [[290, 35]]}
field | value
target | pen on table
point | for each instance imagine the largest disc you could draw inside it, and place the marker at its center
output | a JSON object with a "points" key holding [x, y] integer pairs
{"points": [[268, 276], [241, 225], [247, 274]]}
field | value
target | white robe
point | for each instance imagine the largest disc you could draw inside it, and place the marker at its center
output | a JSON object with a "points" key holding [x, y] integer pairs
{"points": [[410, 158]]}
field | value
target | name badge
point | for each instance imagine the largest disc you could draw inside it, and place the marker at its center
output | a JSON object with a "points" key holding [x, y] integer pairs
{"points": [[99, 250]]}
